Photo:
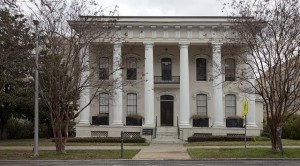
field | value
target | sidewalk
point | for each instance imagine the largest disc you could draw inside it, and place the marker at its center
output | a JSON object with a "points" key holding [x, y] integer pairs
{"points": [[163, 152]]}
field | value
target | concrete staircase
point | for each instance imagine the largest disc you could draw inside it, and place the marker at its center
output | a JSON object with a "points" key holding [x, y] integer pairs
{"points": [[166, 135]]}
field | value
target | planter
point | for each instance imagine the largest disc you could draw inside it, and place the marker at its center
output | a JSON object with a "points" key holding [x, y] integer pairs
{"points": [[100, 120], [130, 121], [201, 122], [234, 122]]}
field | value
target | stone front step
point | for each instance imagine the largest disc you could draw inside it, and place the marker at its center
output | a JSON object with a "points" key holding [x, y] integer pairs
{"points": [[166, 140], [166, 135]]}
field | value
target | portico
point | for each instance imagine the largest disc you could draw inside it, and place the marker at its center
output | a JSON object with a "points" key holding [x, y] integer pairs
{"points": [[174, 71]]}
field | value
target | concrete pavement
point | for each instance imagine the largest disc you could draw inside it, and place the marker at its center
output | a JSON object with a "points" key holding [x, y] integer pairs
{"points": [[163, 152]]}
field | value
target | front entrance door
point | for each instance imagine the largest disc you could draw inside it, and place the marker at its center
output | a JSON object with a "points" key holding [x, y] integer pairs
{"points": [[166, 110]]}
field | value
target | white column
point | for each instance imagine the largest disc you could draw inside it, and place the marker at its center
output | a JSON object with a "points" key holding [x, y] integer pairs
{"points": [[117, 77], [217, 86], [85, 93], [149, 86], [184, 85], [251, 117]]}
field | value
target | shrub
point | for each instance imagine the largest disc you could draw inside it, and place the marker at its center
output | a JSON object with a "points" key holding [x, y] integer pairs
{"points": [[106, 140], [19, 128], [291, 129], [218, 138]]}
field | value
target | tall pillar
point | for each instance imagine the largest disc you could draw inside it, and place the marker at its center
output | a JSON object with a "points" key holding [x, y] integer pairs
{"points": [[184, 85], [251, 117], [149, 86], [85, 93], [117, 77], [217, 86]]}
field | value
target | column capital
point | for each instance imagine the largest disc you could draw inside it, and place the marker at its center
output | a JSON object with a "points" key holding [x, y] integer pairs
{"points": [[215, 44], [117, 44], [184, 44], [148, 44]]}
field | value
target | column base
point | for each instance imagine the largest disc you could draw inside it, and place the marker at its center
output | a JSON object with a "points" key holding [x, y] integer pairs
{"points": [[117, 124], [218, 125], [84, 123], [251, 125], [148, 125], [185, 125]]}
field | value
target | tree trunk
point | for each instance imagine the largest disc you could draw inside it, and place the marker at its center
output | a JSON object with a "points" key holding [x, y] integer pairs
{"points": [[275, 138], [60, 138]]}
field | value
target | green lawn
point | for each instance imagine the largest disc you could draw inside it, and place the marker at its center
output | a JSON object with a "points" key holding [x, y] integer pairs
{"points": [[48, 142], [198, 153], [285, 142], [70, 155]]}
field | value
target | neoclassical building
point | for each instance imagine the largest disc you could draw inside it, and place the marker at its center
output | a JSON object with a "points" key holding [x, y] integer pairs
{"points": [[177, 77]]}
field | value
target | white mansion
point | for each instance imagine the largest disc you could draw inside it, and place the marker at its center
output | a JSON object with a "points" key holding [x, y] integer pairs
{"points": [[171, 64]]}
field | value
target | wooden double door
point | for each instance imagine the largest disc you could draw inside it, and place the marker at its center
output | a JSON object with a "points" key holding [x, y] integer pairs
{"points": [[166, 110]]}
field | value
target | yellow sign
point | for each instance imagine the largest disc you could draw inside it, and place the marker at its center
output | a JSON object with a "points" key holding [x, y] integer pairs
{"points": [[245, 108]]}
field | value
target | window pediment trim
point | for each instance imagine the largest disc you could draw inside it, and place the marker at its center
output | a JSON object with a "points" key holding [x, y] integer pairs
{"points": [[166, 55], [201, 92], [158, 95], [230, 92], [205, 56]]}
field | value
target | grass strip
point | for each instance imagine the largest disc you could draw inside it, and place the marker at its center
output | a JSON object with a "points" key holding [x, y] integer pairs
{"points": [[285, 142], [48, 142], [70, 155], [198, 153]]}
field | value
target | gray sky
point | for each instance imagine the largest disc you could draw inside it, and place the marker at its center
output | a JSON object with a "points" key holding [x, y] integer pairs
{"points": [[166, 7]]}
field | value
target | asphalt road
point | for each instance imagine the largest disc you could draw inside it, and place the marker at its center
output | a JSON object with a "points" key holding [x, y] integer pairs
{"points": [[217, 162]]}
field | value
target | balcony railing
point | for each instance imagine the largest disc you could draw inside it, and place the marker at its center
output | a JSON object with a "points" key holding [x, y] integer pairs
{"points": [[166, 79]]}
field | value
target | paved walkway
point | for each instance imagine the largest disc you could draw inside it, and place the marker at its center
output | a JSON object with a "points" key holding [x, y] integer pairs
{"points": [[163, 152]]}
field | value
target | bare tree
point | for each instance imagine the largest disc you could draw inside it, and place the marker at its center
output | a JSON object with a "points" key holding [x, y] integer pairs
{"points": [[65, 37], [270, 33]]}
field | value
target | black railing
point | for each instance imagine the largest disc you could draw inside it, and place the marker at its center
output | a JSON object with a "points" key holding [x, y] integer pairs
{"points": [[166, 79], [178, 129], [155, 127]]}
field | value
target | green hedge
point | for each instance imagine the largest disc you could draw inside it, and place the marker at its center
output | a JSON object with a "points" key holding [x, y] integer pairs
{"points": [[106, 140], [219, 138], [291, 129], [19, 128]]}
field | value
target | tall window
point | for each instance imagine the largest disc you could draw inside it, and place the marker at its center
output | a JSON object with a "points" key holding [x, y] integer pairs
{"points": [[230, 105], [103, 68], [201, 104], [103, 103], [131, 68], [166, 68], [229, 69], [201, 69], [131, 103]]}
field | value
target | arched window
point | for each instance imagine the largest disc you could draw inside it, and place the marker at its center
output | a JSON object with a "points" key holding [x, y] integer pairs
{"points": [[201, 104], [131, 103], [166, 68], [229, 69], [131, 68], [230, 105], [103, 68], [103, 103], [201, 69]]}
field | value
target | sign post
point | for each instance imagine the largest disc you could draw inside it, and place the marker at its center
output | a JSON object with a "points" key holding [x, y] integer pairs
{"points": [[244, 114]]}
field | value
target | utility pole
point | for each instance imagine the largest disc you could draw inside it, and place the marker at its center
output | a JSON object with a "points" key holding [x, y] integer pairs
{"points": [[36, 92]]}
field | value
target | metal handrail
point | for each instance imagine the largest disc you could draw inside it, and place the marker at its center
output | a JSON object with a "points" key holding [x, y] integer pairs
{"points": [[178, 129], [155, 127], [166, 79]]}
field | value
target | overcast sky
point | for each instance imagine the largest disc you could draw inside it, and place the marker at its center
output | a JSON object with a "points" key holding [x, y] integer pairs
{"points": [[166, 7]]}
